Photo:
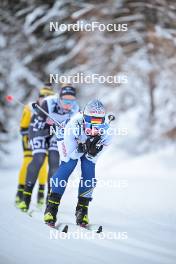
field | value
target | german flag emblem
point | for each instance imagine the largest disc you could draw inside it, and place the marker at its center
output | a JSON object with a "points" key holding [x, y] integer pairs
{"points": [[95, 120]]}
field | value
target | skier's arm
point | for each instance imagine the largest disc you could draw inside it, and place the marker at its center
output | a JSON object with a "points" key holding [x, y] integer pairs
{"points": [[25, 120], [70, 142], [40, 125], [44, 106], [24, 126]]}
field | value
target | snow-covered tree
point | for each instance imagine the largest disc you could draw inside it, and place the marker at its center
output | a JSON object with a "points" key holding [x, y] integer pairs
{"points": [[29, 52]]}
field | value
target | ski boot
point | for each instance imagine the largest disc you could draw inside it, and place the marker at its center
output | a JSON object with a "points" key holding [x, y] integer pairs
{"points": [[82, 212], [24, 205], [52, 209], [40, 196], [19, 194]]}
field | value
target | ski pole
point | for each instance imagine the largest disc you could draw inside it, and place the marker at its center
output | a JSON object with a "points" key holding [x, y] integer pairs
{"points": [[48, 115], [111, 118], [10, 99]]}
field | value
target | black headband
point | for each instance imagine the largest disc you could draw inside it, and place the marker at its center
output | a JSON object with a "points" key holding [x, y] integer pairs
{"points": [[68, 90]]}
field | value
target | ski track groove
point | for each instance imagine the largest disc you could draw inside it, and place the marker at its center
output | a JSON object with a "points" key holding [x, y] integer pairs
{"points": [[151, 233]]}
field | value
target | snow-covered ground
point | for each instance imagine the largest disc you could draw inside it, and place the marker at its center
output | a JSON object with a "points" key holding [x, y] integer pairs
{"points": [[140, 209]]}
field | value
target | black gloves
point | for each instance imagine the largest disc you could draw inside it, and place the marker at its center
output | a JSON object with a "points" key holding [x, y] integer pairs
{"points": [[34, 106], [25, 141], [81, 148], [92, 146]]}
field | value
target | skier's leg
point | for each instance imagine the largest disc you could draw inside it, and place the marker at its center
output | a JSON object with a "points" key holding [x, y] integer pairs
{"points": [[22, 179], [23, 170], [86, 186], [43, 173], [42, 179], [39, 149], [27, 157], [61, 176], [88, 181], [53, 160], [58, 185], [32, 174]]}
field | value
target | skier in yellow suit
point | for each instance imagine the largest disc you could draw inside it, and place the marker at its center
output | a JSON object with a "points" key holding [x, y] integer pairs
{"points": [[27, 152]]}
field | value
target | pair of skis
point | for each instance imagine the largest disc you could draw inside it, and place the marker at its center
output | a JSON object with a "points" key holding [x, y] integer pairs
{"points": [[65, 227], [88, 227]]}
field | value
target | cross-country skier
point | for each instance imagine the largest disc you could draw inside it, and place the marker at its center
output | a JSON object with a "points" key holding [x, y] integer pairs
{"points": [[85, 136], [42, 141], [27, 151]]}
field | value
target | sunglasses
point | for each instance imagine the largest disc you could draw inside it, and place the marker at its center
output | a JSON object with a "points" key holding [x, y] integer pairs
{"points": [[68, 101]]}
